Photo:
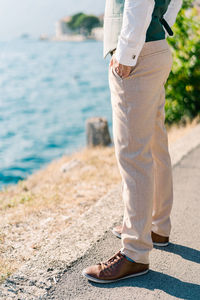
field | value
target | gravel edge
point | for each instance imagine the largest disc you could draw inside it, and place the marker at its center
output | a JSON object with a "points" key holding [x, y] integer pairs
{"points": [[40, 273]]}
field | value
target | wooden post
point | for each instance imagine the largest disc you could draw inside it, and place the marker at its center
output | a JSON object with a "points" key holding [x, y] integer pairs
{"points": [[97, 132]]}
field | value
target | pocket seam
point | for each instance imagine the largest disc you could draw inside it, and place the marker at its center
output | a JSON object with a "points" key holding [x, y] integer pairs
{"points": [[129, 76], [154, 53], [115, 74]]}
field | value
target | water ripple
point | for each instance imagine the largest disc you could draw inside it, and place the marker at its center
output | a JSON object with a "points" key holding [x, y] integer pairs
{"points": [[48, 90]]}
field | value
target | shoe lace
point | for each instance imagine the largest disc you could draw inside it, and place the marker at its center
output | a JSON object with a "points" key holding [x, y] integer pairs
{"points": [[114, 260]]}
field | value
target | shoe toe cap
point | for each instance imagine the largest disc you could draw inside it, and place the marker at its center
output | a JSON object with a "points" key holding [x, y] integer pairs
{"points": [[91, 271]]}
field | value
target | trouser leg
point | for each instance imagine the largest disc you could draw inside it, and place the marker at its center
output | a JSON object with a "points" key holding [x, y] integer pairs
{"points": [[134, 105], [163, 186]]}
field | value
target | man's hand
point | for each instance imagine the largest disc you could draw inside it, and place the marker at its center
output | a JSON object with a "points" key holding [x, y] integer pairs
{"points": [[122, 70]]}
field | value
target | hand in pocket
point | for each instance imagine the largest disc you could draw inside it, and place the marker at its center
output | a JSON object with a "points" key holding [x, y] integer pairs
{"points": [[123, 71]]}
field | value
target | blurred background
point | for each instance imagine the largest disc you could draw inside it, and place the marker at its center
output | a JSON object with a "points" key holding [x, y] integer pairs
{"points": [[53, 77]]}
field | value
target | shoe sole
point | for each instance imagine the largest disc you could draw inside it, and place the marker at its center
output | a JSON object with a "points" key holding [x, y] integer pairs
{"points": [[161, 244], [114, 280], [118, 235]]}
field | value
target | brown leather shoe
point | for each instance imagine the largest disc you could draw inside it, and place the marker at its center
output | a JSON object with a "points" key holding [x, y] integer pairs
{"points": [[157, 239], [115, 269]]}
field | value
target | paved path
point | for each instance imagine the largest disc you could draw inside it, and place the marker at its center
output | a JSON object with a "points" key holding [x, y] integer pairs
{"points": [[175, 270]]}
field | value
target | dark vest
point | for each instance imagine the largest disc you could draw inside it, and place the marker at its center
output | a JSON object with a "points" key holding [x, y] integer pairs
{"points": [[155, 30]]}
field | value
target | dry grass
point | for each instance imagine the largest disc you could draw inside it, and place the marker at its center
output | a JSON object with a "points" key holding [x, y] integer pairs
{"points": [[48, 201], [89, 174], [36, 209]]}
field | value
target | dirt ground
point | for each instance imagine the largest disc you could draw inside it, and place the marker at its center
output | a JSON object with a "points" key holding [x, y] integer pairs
{"points": [[36, 209]]}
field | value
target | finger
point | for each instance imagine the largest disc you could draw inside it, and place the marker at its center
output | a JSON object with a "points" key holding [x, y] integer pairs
{"points": [[119, 70], [126, 74]]}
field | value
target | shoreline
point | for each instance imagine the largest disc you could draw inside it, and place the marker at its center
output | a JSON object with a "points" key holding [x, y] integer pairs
{"points": [[35, 210], [174, 132]]}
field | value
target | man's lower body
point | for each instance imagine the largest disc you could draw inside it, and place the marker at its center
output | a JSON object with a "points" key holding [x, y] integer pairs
{"points": [[141, 149]]}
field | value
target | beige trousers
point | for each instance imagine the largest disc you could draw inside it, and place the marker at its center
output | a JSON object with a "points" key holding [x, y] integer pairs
{"points": [[141, 149]]}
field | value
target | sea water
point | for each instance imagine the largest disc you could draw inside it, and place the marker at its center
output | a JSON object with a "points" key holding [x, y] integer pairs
{"points": [[47, 92]]}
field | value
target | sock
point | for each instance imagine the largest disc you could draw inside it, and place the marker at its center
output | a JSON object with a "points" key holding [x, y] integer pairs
{"points": [[128, 258]]}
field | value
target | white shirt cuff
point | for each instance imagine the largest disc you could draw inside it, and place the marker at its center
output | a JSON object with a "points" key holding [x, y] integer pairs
{"points": [[136, 19], [126, 55]]}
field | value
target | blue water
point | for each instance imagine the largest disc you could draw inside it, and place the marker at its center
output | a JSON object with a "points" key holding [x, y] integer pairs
{"points": [[47, 91]]}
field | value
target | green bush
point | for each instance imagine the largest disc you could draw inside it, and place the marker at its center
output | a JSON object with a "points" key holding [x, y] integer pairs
{"points": [[83, 23], [183, 85], [74, 22]]}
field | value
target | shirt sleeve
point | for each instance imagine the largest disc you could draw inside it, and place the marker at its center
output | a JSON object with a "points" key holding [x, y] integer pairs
{"points": [[136, 19], [172, 11]]}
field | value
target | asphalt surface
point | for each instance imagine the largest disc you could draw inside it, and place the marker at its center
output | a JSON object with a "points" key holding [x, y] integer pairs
{"points": [[174, 270]]}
